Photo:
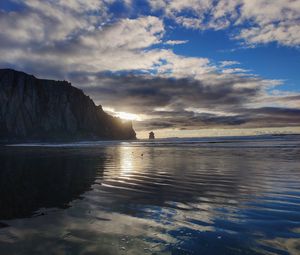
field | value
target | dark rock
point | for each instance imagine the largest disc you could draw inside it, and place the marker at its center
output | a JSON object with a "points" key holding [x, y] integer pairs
{"points": [[151, 135], [46, 110]]}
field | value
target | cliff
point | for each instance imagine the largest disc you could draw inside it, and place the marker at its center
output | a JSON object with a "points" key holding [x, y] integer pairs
{"points": [[34, 109]]}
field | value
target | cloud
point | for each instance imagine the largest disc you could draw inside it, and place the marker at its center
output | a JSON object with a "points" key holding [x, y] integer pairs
{"points": [[90, 46], [279, 117], [256, 21], [188, 103], [246, 118], [186, 120], [120, 61], [29, 39], [143, 93], [235, 70], [129, 34], [286, 33], [62, 38], [228, 63], [176, 42], [45, 21]]}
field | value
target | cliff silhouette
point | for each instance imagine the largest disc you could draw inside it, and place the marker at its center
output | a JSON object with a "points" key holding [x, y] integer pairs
{"points": [[46, 110]]}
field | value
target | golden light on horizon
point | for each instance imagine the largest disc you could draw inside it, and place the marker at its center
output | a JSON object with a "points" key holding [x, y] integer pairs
{"points": [[216, 132]]}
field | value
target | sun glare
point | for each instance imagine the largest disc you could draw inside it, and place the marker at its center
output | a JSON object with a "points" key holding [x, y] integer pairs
{"points": [[127, 116]]}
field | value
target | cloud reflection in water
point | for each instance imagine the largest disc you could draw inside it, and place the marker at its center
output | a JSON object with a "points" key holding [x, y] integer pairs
{"points": [[140, 198]]}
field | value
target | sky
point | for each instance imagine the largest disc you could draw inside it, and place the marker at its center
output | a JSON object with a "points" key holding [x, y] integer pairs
{"points": [[180, 68]]}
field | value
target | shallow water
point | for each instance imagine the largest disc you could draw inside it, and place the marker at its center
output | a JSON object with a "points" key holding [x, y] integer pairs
{"points": [[178, 196]]}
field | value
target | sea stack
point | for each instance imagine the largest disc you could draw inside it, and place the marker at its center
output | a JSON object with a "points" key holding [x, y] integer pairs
{"points": [[151, 135], [46, 110]]}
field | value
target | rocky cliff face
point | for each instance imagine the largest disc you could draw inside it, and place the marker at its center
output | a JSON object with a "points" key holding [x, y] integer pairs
{"points": [[45, 110]]}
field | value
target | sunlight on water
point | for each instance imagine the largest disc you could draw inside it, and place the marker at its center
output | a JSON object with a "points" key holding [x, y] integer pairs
{"points": [[126, 161], [192, 197]]}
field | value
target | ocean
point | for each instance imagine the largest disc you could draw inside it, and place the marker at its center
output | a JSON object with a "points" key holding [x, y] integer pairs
{"points": [[225, 195]]}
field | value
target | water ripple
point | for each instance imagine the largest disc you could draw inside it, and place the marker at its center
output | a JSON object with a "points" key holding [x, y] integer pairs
{"points": [[192, 197]]}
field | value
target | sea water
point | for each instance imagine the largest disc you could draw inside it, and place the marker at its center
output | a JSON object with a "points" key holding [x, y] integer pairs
{"points": [[234, 195]]}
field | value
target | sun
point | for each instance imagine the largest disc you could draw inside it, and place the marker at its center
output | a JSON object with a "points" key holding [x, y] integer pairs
{"points": [[127, 116]]}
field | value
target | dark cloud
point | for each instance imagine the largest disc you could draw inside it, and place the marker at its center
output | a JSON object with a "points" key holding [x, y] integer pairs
{"points": [[272, 117], [142, 94], [191, 104], [284, 112], [189, 120], [259, 117]]}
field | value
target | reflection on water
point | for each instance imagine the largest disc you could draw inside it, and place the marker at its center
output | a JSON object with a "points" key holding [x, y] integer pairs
{"points": [[151, 198], [34, 179]]}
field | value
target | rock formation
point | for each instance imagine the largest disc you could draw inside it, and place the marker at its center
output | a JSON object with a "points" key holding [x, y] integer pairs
{"points": [[151, 135], [33, 109]]}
